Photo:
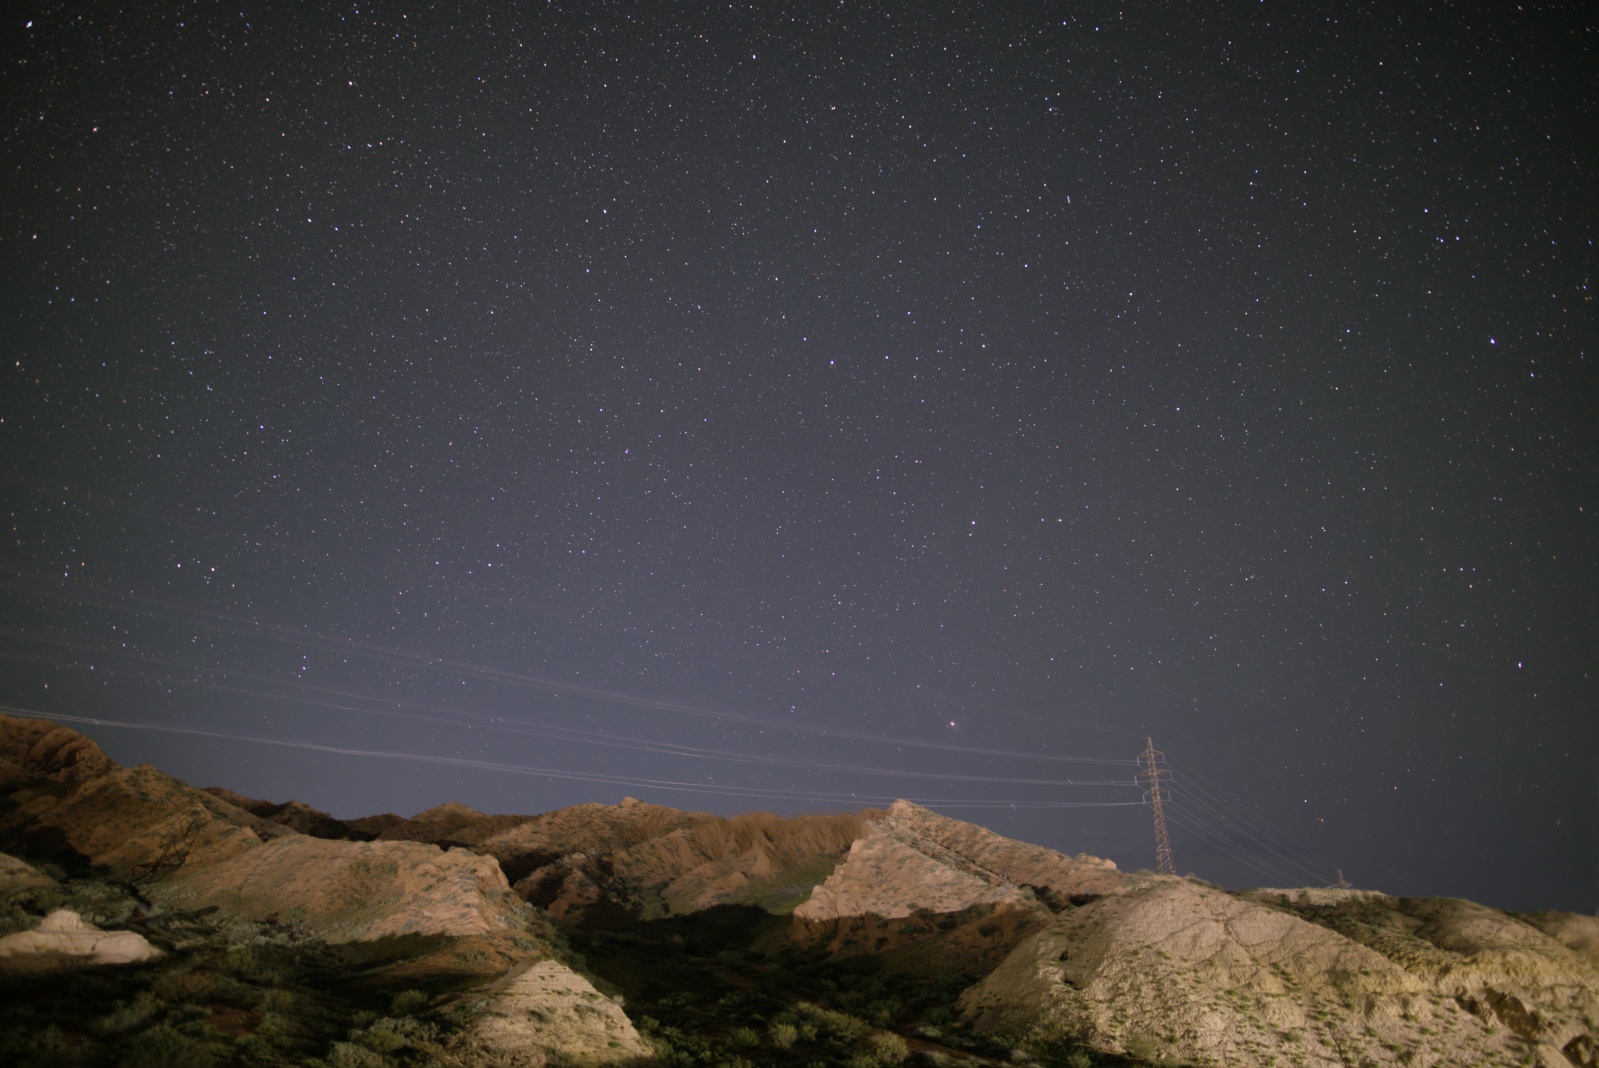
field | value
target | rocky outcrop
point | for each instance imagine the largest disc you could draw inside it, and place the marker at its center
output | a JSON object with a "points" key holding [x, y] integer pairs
{"points": [[597, 830], [190, 848], [647, 859], [19, 875], [301, 819], [547, 1014], [356, 891], [755, 858], [451, 823], [375, 826], [567, 889], [913, 860], [125, 821], [886, 876], [32, 747], [63, 938], [1185, 972]]}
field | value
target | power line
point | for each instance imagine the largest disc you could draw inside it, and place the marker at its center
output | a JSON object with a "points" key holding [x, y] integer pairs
{"points": [[1249, 826], [1192, 805], [1208, 834]]}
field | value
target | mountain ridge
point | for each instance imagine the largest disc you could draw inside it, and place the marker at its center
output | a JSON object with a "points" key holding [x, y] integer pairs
{"points": [[533, 937]]}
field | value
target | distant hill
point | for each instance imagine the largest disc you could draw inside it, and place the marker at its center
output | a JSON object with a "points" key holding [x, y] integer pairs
{"points": [[640, 934]]}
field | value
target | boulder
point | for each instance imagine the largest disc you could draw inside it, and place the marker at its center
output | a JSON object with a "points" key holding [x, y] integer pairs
{"points": [[64, 938]]}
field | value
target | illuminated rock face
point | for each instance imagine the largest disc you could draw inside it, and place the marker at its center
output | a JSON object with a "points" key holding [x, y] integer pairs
{"points": [[189, 848], [549, 1014], [357, 891], [64, 937], [913, 860], [640, 857], [1188, 973]]}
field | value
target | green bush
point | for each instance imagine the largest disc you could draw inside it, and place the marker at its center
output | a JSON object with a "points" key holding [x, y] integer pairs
{"points": [[253, 1049], [276, 999], [130, 1016], [884, 1012], [163, 1046], [251, 962], [186, 985], [783, 1035], [846, 1028], [274, 1025], [42, 1048], [1144, 1047], [887, 1048], [382, 1040], [408, 1003], [349, 1055]]}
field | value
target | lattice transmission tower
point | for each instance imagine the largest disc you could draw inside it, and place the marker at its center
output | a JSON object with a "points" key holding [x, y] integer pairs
{"points": [[1152, 772]]}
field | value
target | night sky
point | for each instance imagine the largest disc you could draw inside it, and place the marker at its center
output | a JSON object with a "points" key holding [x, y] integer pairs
{"points": [[798, 406]]}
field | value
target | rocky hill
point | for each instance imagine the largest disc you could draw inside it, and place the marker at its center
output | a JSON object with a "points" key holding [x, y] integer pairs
{"points": [[414, 908], [301, 819], [1187, 973], [269, 932]]}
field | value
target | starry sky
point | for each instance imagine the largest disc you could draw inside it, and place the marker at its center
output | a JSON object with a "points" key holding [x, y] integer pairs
{"points": [[798, 406]]}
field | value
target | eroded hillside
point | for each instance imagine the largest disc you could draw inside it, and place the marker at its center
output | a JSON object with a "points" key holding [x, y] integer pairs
{"points": [[268, 932]]}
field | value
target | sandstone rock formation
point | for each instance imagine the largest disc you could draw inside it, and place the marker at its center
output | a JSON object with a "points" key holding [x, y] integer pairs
{"points": [[596, 830], [353, 891], [1193, 974], [63, 938], [39, 747], [302, 819], [126, 819], [451, 823], [915, 860], [647, 858], [547, 1013], [569, 888], [750, 859], [189, 848]]}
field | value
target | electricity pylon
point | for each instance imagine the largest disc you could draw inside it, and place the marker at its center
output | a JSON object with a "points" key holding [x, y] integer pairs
{"points": [[1152, 772]]}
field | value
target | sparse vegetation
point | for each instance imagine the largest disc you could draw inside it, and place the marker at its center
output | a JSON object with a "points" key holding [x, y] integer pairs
{"points": [[722, 984], [227, 993]]}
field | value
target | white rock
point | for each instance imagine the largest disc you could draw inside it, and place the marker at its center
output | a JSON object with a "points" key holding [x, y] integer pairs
{"points": [[64, 933]]}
